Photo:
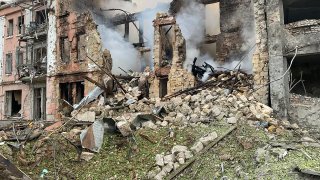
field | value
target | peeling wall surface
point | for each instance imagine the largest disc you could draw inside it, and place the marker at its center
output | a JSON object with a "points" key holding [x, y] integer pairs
{"points": [[261, 57], [2, 29], [305, 34], [52, 39]]}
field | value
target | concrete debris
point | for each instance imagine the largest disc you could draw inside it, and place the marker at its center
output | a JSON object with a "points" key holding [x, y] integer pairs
{"points": [[197, 147], [208, 139], [90, 100], [232, 120], [179, 148], [87, 156], [86, 116], [279, 152], [260, 155], [124, 128], [92, 137], [168, 159], [54, 126], [160, 160]]}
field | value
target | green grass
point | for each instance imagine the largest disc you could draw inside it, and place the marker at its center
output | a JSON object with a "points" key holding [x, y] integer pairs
{"points": [[119, 158], [127, 158]]}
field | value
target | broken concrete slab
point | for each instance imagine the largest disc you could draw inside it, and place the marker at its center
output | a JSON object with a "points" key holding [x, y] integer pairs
{"points": [[179, 148], [87, 156], [160, 160], [92, 137], [87, 116], [208, 139], [232, 120], [197, 147], [93, 95], [124, 128]]}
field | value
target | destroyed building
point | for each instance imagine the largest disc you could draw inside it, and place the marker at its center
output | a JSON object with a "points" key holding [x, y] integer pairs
{"points": [[49, 47], [154, 87], [288, 37]]}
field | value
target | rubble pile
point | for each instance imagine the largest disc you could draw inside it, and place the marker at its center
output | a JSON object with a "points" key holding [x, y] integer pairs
{"points": [[166, 163], [226, 97]]}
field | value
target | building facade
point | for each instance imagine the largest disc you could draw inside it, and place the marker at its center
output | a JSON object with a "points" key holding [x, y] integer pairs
{"points": [[52, 54], [15, 95]]}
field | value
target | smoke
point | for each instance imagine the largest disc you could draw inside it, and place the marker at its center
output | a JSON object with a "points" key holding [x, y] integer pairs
{"points": [[243, 18], [123, 53], [191, 20]]}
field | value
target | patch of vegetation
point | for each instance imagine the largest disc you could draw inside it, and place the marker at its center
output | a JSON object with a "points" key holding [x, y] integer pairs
{"points": [[119, 158]]}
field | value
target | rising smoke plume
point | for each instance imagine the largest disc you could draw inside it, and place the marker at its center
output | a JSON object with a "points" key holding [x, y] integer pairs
{"points": [[191, 20], [123, 53]]}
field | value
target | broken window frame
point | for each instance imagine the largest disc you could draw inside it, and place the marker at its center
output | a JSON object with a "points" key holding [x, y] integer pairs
{"points": [[8, 67], [39, 105], [41, 17], [39, 53], [21, 25], [9, 95], [10, 28], [72, 92], [19, 57]]}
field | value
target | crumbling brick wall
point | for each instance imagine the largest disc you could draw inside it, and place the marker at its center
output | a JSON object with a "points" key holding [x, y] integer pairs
{"points": [[179, 78], [78, 43], [260, 56], [176, 76]]}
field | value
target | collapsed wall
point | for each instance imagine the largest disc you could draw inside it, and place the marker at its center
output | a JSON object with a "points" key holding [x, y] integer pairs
{"points": [[169, 55]]}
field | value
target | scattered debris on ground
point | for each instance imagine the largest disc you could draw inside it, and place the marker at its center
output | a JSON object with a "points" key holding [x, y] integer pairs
{"points": [[217, 126]]}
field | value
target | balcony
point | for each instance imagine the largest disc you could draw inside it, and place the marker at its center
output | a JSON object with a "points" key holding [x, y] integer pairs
{"points": [[30, 72], [34, 30]]}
